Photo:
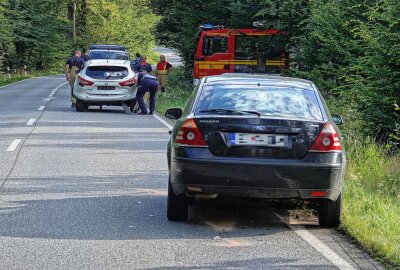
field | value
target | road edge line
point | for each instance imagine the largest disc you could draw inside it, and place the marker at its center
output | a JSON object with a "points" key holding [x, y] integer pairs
{"points": [[318, 245], [168, 125]]}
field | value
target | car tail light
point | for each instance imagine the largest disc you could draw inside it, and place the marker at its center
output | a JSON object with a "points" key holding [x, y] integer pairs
{"points": [[129, 83], [327, 140], [319, 193], [84, 82], [189, 135]]}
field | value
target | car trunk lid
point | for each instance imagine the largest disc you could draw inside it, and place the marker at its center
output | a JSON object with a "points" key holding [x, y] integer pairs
{"points": [[258, 137]]}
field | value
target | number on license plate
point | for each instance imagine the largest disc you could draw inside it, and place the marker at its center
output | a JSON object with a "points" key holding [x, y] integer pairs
{"points": [[104, 87], [272, 140]]}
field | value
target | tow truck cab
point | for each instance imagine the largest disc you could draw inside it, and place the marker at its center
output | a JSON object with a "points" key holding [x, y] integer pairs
{"points": [[224, 50]]}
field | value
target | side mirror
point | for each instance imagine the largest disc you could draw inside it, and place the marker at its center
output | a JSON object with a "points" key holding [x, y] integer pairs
{"points": [[173, 113], [337, 119]]}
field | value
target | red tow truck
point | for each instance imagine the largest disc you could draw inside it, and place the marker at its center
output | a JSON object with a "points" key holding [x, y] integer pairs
{"points": [[225, 50]]}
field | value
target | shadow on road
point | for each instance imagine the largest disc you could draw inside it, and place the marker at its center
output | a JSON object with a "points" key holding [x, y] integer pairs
{"points": [[110, 209]]}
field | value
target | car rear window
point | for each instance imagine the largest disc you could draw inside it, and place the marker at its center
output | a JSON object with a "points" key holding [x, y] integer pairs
{"points": [[273, 101], [109, 55], [103, 72]]}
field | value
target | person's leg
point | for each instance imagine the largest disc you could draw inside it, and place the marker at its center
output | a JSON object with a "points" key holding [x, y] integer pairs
{"points": [[153, 95], [163, 78], [72, 78], [140, 100]]}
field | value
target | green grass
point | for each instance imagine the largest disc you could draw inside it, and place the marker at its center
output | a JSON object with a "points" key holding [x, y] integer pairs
{"points": [[5, 80], [371, 211], [175, 97], [178, 92], [371, 207]]}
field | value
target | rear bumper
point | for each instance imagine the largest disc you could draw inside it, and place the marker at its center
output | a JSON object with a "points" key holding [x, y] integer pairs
{"points": [[257, 178], [106, 99]]}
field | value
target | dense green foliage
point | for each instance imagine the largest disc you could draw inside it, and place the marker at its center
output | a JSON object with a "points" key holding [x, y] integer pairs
{"points": [[349, 48], [41, 34]]}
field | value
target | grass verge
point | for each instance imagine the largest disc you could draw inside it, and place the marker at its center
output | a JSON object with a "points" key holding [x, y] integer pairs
{"points": [[371, 200], [5, 80], [178, 92], [371, 208]]}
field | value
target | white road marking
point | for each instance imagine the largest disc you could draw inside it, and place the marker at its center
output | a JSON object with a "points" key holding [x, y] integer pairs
{"points": [[319, 246], [51, 96], [13, 145], [41, 108], [30, 122], [163, 121]]}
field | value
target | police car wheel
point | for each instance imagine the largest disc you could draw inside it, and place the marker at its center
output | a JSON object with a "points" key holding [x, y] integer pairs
{"points": [[80, 106], [177, 206]]}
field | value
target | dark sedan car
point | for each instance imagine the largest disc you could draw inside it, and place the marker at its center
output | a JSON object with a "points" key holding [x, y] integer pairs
{"points": [[256, 136]]}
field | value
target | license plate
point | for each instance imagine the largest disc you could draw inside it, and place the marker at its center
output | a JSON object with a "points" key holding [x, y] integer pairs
{"points": [[104, 87], [112, 74], [271, 140]]}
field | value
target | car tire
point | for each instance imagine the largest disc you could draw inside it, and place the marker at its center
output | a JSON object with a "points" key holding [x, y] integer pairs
{"points": [[329, 212], [177, 205], [80, 106]]}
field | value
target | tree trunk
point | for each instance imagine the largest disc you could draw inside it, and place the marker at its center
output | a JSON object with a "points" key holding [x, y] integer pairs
{"points": [[72, 19], [83, 18]]}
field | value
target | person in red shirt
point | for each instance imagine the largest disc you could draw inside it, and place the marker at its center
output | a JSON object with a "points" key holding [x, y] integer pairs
{"points": [[163, 69]]}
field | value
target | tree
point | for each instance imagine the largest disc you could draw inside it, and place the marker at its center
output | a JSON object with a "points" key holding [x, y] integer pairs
{"points": [[42, 33]]}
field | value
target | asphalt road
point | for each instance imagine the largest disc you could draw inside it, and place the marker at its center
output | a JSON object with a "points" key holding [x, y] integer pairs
{"points": [[88, 191], [171, 55]]}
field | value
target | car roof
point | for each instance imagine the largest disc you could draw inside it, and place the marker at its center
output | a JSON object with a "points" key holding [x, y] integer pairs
{"points": [[235, 78], [109, 62], [113, 47]]}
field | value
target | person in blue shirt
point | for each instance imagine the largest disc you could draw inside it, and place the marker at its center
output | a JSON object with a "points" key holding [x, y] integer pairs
{"points": [[135, 62], [146, 83], [85, 55], [143, 65], [73, 66]]}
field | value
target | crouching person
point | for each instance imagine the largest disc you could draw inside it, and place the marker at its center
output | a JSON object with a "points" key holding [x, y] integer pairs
{"points": [[146, 83]]}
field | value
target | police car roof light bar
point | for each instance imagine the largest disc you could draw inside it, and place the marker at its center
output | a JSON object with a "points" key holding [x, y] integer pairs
{"points": [[107, 47]]}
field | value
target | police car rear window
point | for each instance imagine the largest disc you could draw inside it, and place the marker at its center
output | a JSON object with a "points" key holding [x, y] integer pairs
{"points": [[107, 73]]}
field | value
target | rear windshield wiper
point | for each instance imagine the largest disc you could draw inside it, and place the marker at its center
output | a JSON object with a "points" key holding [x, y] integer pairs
{"points": [[229, 111]]}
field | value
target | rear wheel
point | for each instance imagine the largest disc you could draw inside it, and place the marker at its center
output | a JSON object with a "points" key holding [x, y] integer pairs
{"points": [[80, 106], [177, 205], [329, 212]]}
